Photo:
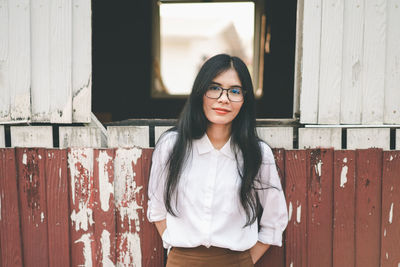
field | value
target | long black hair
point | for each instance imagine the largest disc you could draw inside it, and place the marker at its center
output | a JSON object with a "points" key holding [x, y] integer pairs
{"points": [[192, 124]]}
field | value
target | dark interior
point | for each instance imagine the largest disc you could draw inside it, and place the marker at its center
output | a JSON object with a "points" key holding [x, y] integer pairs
{"points": [[122, 56]]}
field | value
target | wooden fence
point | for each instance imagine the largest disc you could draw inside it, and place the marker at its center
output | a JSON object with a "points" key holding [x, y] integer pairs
{"points": [[86, 207]]}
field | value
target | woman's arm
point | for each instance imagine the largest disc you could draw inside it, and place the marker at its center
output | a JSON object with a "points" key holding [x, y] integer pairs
{"points": [[258, 250], [161, 226]]}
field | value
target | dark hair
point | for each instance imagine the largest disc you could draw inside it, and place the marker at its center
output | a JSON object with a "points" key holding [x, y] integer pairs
{"points": [[193, 123]]}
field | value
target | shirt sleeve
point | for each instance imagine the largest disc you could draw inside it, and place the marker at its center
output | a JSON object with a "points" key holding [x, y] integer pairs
{"points": [[274, 218], [156, 210]]}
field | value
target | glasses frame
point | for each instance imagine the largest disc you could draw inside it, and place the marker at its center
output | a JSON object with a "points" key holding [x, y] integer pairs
{"points": [[227, 93]]}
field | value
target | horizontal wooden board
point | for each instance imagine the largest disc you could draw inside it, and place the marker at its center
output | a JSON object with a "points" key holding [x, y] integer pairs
{"points": [[128, 136], [31, 136], [320, 137], [277, 137], [79, 137]]}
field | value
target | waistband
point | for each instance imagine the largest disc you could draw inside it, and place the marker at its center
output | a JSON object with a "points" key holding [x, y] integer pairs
{"points": [[204, 251]]}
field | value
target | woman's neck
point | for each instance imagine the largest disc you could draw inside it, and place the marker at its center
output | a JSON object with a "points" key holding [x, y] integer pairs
{"points": [[218, 134]]}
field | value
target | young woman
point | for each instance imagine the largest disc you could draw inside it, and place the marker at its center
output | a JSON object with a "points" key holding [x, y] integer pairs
{"points": [[214, 191]]}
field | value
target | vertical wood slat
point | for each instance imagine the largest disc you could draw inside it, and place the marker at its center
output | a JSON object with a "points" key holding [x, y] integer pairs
{"points": [[277, 137], [40, 65], [19, 71], [128, 201], [31, 136], [61, 61], [320, 137], [351, 89], [275, 256], [10, 235], [32, 199], [79, 137], [368, 207], [151, 243], [344, 208], [103, 213], [310, 61], [128, 136], [81, 201], [367, 138], [331, 62], [81, 60], [295, 191], [391, 113], [374, 52], [2, 137], [319, 207], [390, 231], [57, 207], [4, 59]]}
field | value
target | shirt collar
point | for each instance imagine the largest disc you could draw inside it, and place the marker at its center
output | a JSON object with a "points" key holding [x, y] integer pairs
{"points": [[204, 145]]}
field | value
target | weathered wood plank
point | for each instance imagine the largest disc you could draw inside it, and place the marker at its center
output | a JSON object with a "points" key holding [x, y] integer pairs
{"points": [[40, 50], [275, 256], [368, 203], [81, 202], [128, 136], [79, 137], [33, 205], [10, 235], [374, 61], [344, 208], [4, 61], [320, 137], [61, 61], [277, 137], [319, 207], [81, 60], [392, 71], [310, 61], [129, 204], [351, 90], [104, 215], [31, 136], [159, 130], [19, 59], [2, 137], [295, 191], [390, 231], [151, 243], [368, 137], [57, 207], [331, 62]]}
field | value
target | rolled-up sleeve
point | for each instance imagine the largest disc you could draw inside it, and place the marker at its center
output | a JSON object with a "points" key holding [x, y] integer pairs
{"points": [[274, 218], [156, 210]]}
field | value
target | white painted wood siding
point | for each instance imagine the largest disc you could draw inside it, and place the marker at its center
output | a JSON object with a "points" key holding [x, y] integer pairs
{"points": [[31, 136], [79, 137], [368, 137], [350, 62], [128, 136], [45, 61], [320, 137], [277, 137]]}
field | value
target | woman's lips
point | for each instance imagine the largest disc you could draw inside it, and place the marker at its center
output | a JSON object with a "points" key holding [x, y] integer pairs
{"points": [[221, 110]]}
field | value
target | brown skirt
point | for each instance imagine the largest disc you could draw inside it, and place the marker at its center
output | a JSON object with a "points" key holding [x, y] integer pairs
{"points": [[208, 257]]}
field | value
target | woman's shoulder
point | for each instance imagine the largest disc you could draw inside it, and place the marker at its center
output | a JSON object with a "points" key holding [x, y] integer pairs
{"points": [[167, 139], [266, 152]]}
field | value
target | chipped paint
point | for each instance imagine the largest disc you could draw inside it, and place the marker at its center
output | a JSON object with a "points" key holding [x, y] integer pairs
{"points": [[105, 249], [298, 214], [130, 251], [384, 232], [24, 159], [87, 250], [105, 187], [42, 216], [345, 160], [290, 210], [391, 158], [83, 218], [78, 161], [343, 176], [391, 213], [318, 167], [387, 255], [291, 264]]}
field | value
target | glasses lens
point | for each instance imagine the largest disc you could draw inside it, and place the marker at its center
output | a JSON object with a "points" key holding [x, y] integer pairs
{"points": [[213, 92], [235, 94]]}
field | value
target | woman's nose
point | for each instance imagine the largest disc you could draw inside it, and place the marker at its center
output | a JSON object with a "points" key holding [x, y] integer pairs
{"points": [[224, 97]]}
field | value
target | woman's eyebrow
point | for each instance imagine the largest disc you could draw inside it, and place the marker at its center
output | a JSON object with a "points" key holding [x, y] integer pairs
{"points": [[236, 86]]}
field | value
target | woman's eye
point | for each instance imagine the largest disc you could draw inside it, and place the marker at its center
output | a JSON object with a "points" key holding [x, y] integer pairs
{"points": [[216, 88], [236, 91]]}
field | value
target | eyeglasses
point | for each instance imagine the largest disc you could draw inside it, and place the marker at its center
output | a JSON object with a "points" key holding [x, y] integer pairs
{"points": [[234, 94]]}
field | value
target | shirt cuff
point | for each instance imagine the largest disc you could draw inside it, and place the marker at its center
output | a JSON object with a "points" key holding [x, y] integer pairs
{"points": [[154, 215], [270, 236]]}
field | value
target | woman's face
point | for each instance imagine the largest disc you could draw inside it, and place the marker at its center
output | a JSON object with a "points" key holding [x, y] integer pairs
{"points": [[222, 111]]}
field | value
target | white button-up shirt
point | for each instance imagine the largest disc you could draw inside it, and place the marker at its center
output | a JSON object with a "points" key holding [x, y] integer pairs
{"points": [[209, 211]]}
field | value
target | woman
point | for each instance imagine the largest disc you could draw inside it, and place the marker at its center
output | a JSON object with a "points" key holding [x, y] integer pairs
{"points": [[211, 173]]}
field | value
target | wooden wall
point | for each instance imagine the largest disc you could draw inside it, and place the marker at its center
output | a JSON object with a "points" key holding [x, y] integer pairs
{"points": [[45, 61], [350, 54]]}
